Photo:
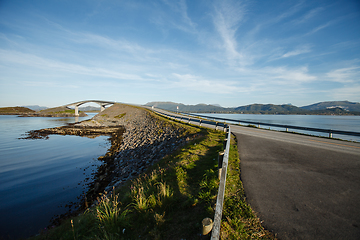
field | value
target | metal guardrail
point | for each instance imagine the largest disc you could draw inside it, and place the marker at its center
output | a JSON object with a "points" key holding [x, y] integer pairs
{"points": [[196, 118], [223, 163], [192, 119], [329, 131], [215, 234]]}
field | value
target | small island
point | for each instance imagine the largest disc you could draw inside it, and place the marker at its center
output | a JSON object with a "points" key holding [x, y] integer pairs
{"points": [[50, 112], [15, 111]]}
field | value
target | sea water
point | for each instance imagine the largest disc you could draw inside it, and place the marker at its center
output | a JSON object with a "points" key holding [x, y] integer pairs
{"points": [[40, 178], [343, 123]]}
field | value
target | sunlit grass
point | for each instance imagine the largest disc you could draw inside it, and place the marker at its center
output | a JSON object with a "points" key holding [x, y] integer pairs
{"points": [[170, 200]]}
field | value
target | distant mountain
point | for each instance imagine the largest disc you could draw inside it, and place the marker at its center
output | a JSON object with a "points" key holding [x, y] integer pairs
{"points": [[89, 108], [323, 108], [36, 107], [216, 105], [270, 109], [345, 105], [171, 106]]}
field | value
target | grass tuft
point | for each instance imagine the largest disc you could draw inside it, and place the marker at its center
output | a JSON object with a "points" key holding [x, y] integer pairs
{"points": [[120, 115]]}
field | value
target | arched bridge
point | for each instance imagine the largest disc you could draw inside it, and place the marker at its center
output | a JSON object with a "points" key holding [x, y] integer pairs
{"points": [[102, 104]]}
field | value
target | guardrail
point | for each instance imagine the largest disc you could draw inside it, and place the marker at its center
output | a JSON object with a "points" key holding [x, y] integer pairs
{"points": [[329, 131], [215, 234], [189, 119], [208, 225]]}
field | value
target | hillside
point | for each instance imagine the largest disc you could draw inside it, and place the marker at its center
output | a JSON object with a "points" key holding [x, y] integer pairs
{"points": [[36, 107], [323, 108], [171, 106], [54, 112], [89, 109], [346, 105], [270, 109], [15, 110]]}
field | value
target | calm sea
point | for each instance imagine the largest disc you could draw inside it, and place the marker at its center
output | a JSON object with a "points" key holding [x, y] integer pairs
{"points": [[344, 123], [39, 177]]}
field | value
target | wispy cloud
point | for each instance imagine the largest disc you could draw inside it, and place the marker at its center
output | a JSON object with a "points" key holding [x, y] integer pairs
{"points": [[347, 92], [227, 19], [176, 16], [318, 28], [48, 64], [299, 50], [181, 8], [288, 76], [199, 84], [310, 14], [345, 75], [285, 14]]}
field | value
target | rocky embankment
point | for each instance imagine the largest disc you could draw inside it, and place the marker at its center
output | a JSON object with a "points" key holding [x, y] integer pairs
{"points": [[138, 140], [146, 139]]}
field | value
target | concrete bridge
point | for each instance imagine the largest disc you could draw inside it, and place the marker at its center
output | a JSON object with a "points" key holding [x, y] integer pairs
{"points": [[102, 104]]}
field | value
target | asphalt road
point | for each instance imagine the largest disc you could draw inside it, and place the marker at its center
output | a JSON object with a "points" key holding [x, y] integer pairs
{"points": [[301, 187]]}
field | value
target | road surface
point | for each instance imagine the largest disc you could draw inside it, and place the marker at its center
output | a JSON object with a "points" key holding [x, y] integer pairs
{"points": [[301, 187]]}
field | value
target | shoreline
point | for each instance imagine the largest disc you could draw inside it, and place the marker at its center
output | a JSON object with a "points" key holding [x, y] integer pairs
{"points": [[138, 139]]}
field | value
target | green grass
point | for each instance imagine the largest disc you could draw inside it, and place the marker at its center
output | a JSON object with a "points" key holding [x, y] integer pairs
{"points": [[69, 111], [15, 110], [171, 199], [120, 115]]}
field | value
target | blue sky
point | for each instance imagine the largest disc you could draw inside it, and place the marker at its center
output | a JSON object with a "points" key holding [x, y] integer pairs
{"points": [[231, 53]]}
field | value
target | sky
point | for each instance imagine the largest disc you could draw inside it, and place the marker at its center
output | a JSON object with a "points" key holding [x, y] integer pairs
{"points": [[232, 53]]}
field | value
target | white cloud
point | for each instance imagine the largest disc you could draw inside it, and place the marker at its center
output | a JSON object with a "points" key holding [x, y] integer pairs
{"points": [[31, 60], [345, 75], [285, 75], [199, 84], [347, 93]]}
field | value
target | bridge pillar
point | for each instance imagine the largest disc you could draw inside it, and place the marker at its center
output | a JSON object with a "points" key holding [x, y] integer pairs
{"points": [[76, 110]]}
